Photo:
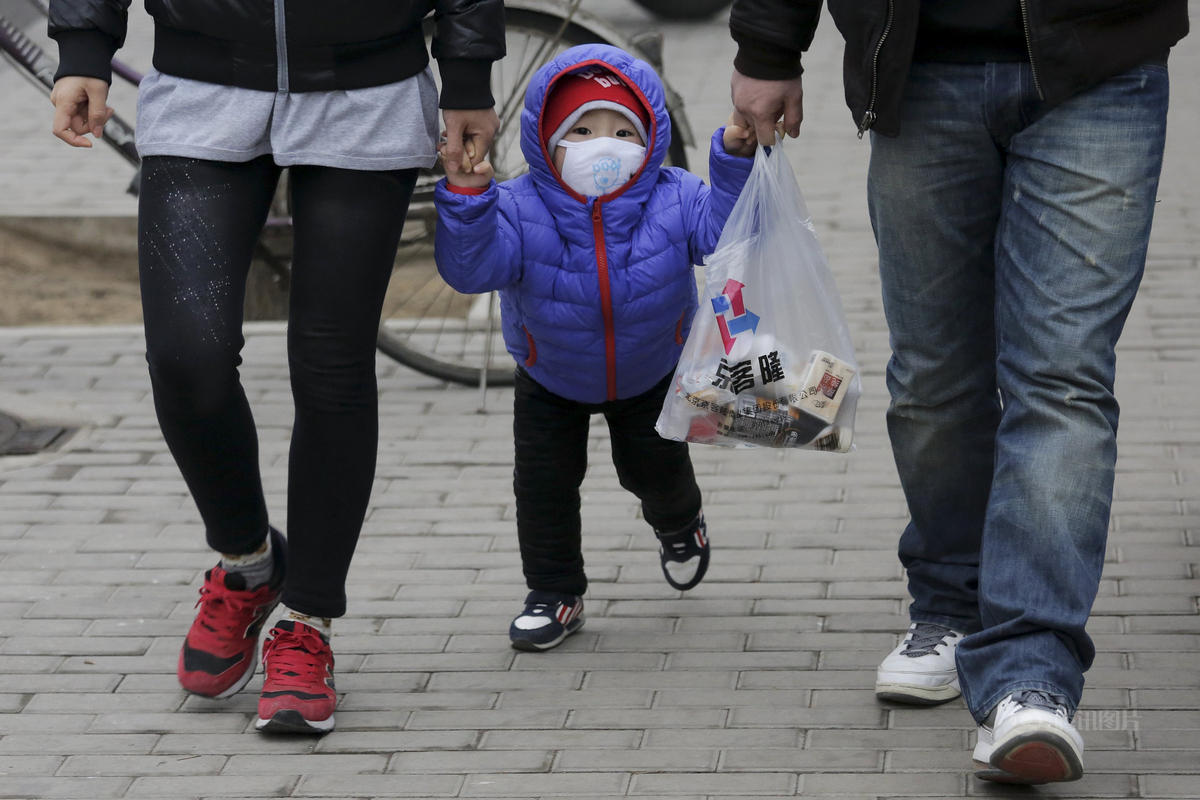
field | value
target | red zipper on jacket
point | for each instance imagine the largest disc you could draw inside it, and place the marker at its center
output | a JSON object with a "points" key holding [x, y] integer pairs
{"points": [[610, 334]]}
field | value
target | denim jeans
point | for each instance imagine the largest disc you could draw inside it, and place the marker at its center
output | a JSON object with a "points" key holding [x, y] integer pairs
{"points": [[1012, 239]]}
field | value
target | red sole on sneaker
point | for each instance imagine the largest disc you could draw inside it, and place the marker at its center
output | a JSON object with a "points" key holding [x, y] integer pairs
{"points": [[1032, 763]]}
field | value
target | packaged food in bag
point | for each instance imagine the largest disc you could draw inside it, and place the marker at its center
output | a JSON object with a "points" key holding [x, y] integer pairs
{"points": [[768, 361]]}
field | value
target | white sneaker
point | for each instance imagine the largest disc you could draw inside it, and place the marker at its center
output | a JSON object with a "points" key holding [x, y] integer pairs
{"points": [[921, 670], [1029, 739]]}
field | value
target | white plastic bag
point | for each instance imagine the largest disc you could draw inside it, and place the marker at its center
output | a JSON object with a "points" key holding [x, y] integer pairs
{"points": [[769, 360]]}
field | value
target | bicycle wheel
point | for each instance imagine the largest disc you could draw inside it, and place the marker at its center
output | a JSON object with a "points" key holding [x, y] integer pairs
{"points": [[427, 325], [684, 9]]}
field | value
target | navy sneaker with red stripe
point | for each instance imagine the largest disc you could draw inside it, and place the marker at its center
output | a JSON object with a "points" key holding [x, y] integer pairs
{"points": [[298, 695], [684, 554], [548, 618], [220, 652]]}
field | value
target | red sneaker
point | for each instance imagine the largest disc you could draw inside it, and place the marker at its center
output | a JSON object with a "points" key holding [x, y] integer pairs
{"points": [[219, 654], [297, 694]]}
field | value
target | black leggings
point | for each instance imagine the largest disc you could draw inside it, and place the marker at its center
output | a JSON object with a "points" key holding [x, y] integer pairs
{"points": [[551, 434], [198, 222]]}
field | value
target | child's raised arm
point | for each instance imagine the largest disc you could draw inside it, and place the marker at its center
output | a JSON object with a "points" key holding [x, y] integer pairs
{"points": [[728, 173], [477, 247]]}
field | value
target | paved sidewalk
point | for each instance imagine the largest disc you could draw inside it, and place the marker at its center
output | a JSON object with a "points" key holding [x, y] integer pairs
{"points": [[755, 684]]}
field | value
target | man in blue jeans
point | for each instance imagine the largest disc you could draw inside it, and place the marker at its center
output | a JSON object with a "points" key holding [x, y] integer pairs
{"points": [[1015, 154]]}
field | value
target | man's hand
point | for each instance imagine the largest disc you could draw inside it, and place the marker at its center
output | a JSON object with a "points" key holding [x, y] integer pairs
{"points": [[80, 107], [761, 104], [469, 135]]}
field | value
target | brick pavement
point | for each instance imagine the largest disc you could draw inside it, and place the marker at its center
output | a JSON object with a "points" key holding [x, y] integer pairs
{"points": [[756, 684]]}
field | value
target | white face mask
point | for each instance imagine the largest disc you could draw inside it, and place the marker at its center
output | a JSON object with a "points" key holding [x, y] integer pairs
{"points": [[598, 166]]}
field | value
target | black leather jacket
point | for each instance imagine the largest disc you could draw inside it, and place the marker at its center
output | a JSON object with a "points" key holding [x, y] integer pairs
{"points": [[347, 44], [1072, 44]]}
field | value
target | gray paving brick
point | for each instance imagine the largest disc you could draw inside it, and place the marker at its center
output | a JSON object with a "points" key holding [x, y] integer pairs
{"points": [[744, 661], [40, 743], [729, 698], [212, 786], [307, 764], [662, 680], [801, 717], [381, 786], [688, 759], [1167, 785], [499, 681], [774, 784], [566, 659], [98, 703], [379, 698], [586, 698], [725, 738], [43, 787], [563, 739], [125, 766], [165, 722], [350, 740], [436, 662], [79, 645], [917, 784], [608, 784], [1090, 786], [59, 684], [29, 766], [490, 719], [204, 744], [875, 739], [44, 723], [458, 761], [778, 758]]}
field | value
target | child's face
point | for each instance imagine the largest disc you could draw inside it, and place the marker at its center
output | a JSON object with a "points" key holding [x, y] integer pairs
{"points": [[594, 124]]}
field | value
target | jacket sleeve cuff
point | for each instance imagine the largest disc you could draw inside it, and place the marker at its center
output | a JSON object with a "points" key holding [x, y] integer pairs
{"points": [[450, 187], [466, 83], [767, 61], [86, 53], [464, 200]]}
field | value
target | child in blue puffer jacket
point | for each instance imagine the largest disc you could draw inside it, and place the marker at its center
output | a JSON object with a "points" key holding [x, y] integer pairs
{"points": [[592, 251]]}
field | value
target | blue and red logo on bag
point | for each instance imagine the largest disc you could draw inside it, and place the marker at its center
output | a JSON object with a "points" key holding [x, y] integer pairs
{"points": [[730, 299]]}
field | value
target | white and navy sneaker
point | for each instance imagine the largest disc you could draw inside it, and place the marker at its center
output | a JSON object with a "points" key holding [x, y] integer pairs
{"points": [[921, 670], [548, 618], [1028, 738], [684, 554]]}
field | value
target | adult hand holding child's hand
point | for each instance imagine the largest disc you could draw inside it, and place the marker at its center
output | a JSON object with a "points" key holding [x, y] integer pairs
{"points": [[465, 144], [460, 172], [739, 139]]}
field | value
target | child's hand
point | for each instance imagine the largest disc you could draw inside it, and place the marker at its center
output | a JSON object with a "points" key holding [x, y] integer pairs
{"points": [[739, 140], [463, 173]]}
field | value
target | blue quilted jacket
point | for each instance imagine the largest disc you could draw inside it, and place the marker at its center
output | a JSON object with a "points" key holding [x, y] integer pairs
{"points": [[597, 294]]}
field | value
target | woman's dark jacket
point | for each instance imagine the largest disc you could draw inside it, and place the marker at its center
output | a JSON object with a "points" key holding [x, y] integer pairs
{"points": [[1073, 44], [329, 44]]}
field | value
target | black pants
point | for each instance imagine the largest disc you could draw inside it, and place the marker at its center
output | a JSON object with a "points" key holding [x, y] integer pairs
{"points": [[198, 222], [551, 457]]}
